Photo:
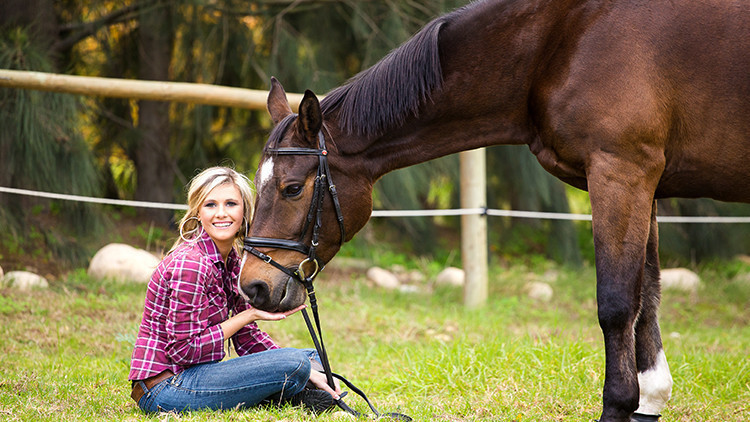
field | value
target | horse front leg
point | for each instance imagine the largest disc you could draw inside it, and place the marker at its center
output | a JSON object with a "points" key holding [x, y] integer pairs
{"points": [[654, 378], [621, 201]]}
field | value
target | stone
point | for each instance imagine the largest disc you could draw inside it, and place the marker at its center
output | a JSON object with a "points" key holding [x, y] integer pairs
{"points": [[539, 291], [24, 280], [680, 279], [743, 279], [383, 278], [348, 263], [451, 276], [123, 263], [409, 288], [412, 277]]}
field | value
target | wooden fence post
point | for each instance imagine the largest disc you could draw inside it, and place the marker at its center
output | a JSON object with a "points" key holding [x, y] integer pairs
{"points": [[474, 227]]}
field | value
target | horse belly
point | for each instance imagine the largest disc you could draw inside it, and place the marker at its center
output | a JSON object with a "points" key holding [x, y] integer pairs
{"points": [[715, 175]]}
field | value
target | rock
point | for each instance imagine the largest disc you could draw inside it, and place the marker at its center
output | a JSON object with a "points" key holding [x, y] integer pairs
{"points": [[383, 278], [743, 279], [550, 276], [408, 288], [407, 276], [25, 280], [347, 263], [680, 279], [123, 263], [412, 277], [451, 276], [539, 291]]}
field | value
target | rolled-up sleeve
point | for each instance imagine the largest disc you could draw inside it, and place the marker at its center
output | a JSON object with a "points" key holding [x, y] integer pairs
{"points": [[193, 338]]}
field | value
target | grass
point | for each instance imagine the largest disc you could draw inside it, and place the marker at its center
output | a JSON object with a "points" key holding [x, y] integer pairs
{"points": [[64, 352]]}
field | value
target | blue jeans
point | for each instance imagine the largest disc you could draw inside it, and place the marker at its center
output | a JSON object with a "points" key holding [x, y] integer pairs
{"points": [[240, 382]]}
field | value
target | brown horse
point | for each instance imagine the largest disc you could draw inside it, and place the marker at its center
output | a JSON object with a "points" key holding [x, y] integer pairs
{"points": [[629, 100]]}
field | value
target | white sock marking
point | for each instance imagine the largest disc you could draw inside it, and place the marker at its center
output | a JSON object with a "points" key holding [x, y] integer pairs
{"points": [[656, 387]]}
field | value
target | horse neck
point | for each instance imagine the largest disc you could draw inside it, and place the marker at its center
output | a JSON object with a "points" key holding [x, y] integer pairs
{"points": [[485, 95]]}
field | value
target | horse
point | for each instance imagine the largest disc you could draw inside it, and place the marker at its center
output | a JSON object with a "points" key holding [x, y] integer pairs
{"points": [[632, 101]]}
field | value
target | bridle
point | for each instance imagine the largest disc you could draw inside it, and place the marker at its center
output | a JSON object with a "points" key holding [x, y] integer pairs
{"points": [[323, 183]]}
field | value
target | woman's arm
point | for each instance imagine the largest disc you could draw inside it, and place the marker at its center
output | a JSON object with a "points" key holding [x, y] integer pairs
{"points": [[194, 335], [250, 315]]}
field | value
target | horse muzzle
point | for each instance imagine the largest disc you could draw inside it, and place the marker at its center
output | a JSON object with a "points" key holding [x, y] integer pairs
{"points": [[275, 296]]}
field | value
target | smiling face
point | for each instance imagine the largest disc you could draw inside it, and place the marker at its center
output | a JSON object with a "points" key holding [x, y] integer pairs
{"points": [[221, 215]]}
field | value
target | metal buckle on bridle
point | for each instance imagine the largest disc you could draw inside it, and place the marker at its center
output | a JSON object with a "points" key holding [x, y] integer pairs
{"points": [[301, 271]]}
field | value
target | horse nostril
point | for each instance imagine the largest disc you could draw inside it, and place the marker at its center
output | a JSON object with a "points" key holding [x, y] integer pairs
{"points": [[257, 293]]}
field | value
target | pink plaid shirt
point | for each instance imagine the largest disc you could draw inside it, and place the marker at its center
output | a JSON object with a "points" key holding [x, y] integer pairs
{"points": [[190, 293]]}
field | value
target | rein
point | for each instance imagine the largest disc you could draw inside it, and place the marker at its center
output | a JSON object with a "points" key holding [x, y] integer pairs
{"points": [[323, 182]]}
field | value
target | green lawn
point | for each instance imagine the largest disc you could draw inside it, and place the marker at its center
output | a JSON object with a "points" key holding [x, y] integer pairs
{"points": [[64, 352]]}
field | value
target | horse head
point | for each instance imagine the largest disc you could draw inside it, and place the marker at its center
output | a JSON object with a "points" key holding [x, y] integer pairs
{"points": [[308, 196]]}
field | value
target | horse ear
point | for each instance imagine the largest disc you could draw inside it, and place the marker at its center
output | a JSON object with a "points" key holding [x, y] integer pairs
{"points": [[278, 105], [310, 117]]}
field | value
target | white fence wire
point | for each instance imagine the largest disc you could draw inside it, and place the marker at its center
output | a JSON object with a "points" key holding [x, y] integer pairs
{"points": [[392, 213]]}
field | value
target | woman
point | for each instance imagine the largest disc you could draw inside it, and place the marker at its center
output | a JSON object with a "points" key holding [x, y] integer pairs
{"points": [[193, 305]]}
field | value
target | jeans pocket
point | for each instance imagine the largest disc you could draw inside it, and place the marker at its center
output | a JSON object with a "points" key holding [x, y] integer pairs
{"points": [[148, 403]]}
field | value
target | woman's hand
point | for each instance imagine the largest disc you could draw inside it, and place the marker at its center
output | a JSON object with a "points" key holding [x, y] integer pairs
{"points": [[259, 315], [319, 380], [235, 323]]}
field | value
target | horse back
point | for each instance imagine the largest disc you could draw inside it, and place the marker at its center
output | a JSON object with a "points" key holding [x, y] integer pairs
{"points": [[667, 81]]}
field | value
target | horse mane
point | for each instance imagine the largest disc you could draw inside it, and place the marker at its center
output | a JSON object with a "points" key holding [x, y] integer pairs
{"points": [[384, 95], [277, 133]]}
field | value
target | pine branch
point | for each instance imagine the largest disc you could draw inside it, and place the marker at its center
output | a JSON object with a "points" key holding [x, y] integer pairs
{"points": [[81, 30]]}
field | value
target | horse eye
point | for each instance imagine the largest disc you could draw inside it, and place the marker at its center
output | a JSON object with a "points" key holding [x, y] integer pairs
{"points": [[292, 191]]}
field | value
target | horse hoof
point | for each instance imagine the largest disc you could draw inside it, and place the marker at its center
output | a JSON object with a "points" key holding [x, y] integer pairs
{"points": [[640, 417]]}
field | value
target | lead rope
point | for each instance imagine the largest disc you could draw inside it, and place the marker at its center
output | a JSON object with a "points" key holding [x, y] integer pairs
{"points": [[317, 339]]}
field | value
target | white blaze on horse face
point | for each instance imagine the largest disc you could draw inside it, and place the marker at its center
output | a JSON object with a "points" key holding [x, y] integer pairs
{"points": [[656, 387], [266, 171]]}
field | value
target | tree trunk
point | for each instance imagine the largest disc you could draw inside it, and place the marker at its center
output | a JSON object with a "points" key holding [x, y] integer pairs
{"points": [[155, 178]]}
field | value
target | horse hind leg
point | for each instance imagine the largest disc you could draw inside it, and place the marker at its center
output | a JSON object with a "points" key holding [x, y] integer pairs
{"points": [[654, 378]]}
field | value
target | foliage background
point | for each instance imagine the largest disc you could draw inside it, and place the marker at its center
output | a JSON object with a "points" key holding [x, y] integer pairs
{"points": [[143, 150], [64, 352]]}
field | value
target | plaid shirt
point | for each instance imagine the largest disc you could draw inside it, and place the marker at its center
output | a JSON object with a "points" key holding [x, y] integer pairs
{"points": [[190, 293]]}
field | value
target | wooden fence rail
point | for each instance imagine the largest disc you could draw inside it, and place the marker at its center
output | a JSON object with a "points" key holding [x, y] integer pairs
{"points": [[142, 90]]}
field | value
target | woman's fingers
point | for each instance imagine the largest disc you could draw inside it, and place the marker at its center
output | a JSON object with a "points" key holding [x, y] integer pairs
{"points": [[297, 309], [319, 380]]}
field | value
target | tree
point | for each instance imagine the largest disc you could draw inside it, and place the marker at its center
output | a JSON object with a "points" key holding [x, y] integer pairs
{"points": [[40, 147], [155, 177]]}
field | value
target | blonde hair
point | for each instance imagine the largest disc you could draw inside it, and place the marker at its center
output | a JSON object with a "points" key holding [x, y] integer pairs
{"points": [[201, 186]]}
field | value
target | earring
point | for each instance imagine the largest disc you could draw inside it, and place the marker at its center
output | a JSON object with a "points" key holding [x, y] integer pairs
{"points": [[195, 230]]}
